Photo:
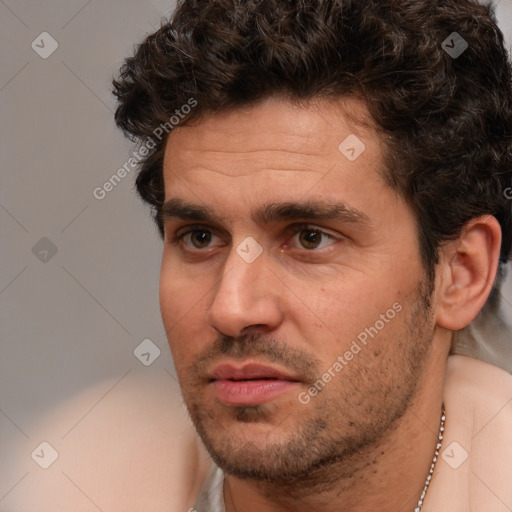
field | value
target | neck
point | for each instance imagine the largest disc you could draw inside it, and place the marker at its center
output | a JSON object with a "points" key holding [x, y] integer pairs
{"points": [[387, 476]]}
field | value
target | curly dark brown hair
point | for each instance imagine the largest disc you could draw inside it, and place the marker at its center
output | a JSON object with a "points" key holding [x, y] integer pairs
{"points": [[446, 120]]}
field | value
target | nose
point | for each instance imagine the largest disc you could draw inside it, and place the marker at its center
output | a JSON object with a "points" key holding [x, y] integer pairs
{"points": [[245, 298]]}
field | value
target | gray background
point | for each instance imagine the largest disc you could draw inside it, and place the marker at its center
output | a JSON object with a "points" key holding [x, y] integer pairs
{"points": [[74, 320]]}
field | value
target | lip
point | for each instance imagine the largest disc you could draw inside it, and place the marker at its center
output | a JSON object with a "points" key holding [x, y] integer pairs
{"points": [[251, 384], [249, 371]]}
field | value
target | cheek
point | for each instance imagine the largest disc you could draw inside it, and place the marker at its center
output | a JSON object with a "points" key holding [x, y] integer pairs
{"points": [[178, 291], [333, 316], [183, 310]]}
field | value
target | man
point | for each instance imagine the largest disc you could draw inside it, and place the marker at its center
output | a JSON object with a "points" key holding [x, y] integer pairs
{"points": [[330, 179]]}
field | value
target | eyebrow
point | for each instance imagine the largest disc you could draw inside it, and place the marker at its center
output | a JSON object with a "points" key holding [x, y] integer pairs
{"points": [[176, 208]]}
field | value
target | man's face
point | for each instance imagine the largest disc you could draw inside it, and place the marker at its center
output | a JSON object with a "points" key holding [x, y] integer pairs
{"points": [[292, 289]]}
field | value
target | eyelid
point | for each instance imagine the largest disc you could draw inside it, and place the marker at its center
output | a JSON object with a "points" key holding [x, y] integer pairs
{"points": [[192, 227], [297, 228]]}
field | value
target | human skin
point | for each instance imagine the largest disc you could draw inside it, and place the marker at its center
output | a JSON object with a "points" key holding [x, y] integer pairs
{"points": [[300, 308]]}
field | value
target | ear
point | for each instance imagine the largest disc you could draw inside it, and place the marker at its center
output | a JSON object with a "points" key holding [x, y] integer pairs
{"points": [[466, 273]]}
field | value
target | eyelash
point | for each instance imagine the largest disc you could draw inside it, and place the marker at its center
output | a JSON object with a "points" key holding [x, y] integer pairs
{"points": [[291, 231], [179, 235], [298, 228]]}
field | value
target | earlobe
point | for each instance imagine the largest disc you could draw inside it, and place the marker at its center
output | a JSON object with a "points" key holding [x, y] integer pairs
{"points": [[466, 272]]}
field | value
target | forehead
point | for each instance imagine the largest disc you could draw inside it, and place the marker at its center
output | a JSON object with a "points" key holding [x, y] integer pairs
{"points": [[293, 134], [274, 152]]}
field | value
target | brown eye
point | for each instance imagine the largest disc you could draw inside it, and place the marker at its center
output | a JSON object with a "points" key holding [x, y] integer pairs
{"points": [[197, 239], [310, 239], [200, 238]]}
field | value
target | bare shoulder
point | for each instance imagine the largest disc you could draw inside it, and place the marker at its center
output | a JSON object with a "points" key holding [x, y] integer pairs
{"points": [[480, 398], [476, 379], [123, 444], [474, 473], [479, 386]]}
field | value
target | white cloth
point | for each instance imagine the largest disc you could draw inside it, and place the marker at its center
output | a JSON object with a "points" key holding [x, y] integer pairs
{"points": [[211, 498]]}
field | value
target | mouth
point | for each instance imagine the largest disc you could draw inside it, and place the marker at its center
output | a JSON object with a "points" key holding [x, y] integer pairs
{"points": [[250, 384]]}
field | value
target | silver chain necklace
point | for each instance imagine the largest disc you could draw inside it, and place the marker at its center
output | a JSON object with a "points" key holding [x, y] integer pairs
{"points": [[436, 454], [419, 506]]}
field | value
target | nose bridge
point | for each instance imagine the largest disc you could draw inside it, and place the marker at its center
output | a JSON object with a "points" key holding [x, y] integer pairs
{"points": [[242, 270], [246, 263], [242, 296]]}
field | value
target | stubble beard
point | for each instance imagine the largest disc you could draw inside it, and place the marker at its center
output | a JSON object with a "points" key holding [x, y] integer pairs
{"points": [[346, 421]]}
